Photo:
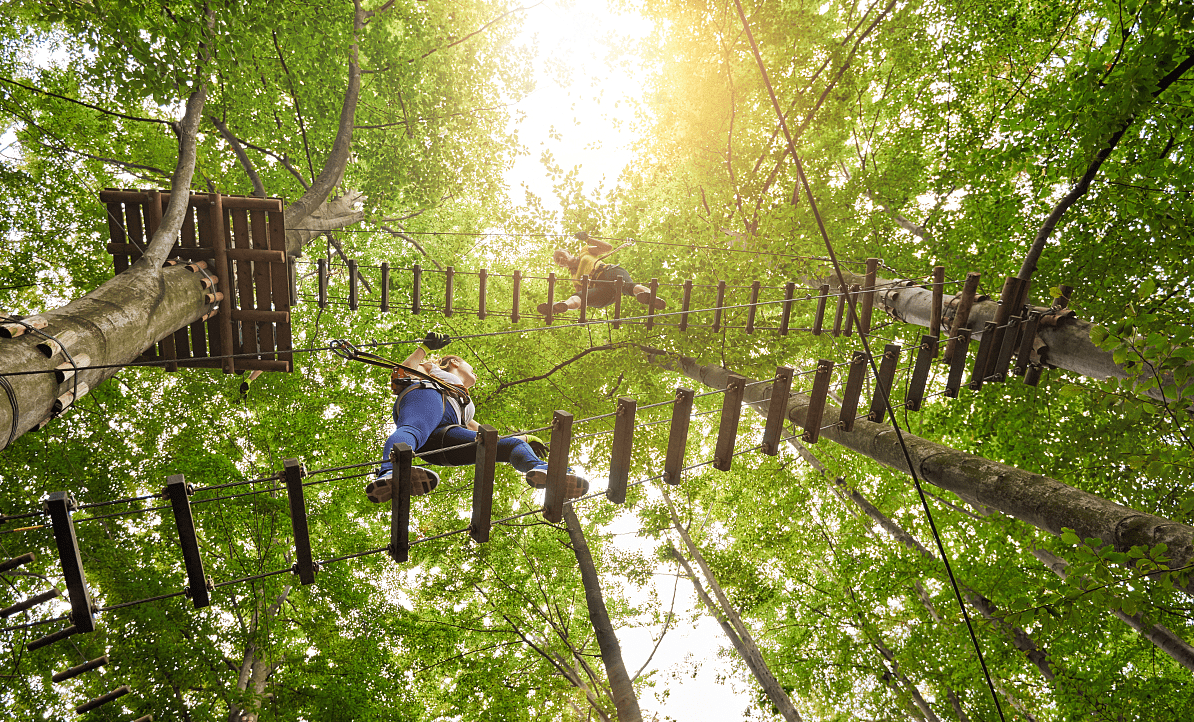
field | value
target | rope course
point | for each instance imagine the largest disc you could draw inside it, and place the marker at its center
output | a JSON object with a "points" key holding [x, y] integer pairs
{"points": [[841, 310]]}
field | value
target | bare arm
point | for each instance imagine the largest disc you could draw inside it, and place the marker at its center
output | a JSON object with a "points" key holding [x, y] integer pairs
{"points": [[416, 357], [472, 425], [600, 247]]}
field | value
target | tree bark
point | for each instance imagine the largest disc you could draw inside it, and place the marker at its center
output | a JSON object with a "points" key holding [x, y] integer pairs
{"points": [[113, 324], [625, 699], [1161, 636], [1035, 499]]}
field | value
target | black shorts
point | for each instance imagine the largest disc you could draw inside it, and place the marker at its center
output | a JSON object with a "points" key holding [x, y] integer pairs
{"points": [[603, 288]]}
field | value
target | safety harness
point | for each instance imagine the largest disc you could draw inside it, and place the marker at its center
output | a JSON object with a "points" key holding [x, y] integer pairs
{"points": [[402, 378]]}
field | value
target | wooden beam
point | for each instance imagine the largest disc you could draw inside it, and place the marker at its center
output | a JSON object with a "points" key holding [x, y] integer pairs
{"points": [[622, 451], [978, 375], [15, 562], [868, 296], [685, 303], [857, 375], [80, 669], [727, 432], [962, 315], [1024, 357], [938, 300], [29, 603], [385, 286], [304, 566], [514, 315], [785, 319], [353, 298], [449, 278], [59, 505], [102, 700], [180, 500], [551, 297], [926, 351], [321, 266], [721, 301], [654, 286], [887, 369], [617, 302], [557, 467], [816, 404], [678, 437], [584, 298], [958, 364], [486, 463], [752, 310], [777, 410], [416, 283], [482, 282], [400, 461], [822, 298], [1004, 360]]}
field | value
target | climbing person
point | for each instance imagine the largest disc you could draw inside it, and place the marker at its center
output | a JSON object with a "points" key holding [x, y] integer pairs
{"points": [[437, 413], [603, 278]]}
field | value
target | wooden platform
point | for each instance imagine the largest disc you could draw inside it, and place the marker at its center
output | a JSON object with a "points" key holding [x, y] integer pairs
{"points": [[242, 240]]}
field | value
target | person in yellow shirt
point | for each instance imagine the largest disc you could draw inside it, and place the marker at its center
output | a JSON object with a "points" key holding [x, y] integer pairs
{"points": [[602, 278]]}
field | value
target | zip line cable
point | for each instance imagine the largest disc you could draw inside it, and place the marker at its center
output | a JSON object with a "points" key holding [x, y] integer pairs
{"points": [[866, 348]]}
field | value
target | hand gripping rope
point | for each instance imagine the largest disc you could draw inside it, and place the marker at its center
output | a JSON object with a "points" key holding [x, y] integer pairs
{"points": [[399, 374]]}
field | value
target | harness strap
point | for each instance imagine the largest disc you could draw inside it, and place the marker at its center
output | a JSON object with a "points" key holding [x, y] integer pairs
{"points": [[400, 375]]}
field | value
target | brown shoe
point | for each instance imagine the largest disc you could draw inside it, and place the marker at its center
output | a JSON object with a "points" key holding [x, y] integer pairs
{"points": [[422, 481], [645, 299]]}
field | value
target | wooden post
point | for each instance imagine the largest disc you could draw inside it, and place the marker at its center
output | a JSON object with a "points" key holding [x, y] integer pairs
{"points": [[617, 302], [487, 448], [887, 369], [816, 404], [400, 459], [978, 375], [322, 266], [721, 301], [822, 298], [868, 296], [353, 303], [557, 467], [851, 305], [482, 281], [59, 505], [957, 364], [777, 410], [551, 296], [1004, 360], [385, 286], [938, 299], [926, 352], [849, 412], [1004, 311], [584, 298], [684, 304], [727, 432], [678, 437], [785, 319], [1026, 343], [449, 277], [514, 315], [654, 286], [180, 500], [623, 448], [962, 315], [304, 566], [753, 308], [416, 282], [841, 308]]}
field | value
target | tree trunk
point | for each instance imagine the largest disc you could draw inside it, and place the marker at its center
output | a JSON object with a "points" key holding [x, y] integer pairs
{"points": [[1161, 636], [1067, 344], [731, 622], [1035, 499], [113, 324], [625, 700]]}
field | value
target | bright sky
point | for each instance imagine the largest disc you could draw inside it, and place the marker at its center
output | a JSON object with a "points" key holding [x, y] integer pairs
{"points": [[586, 93]]}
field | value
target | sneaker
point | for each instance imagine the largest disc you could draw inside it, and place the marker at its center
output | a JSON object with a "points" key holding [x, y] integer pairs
{"points": [[560, 307], [422, 481], [645, 299], [574, 484], [542, 309]]}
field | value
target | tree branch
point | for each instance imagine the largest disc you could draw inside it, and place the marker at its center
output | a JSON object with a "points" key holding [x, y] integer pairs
{"points": [[180, 183], [258, 188], [10, 81], [557, 367]]}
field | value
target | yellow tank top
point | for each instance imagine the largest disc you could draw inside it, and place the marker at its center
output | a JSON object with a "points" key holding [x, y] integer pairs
{"points": [[587, 265]]}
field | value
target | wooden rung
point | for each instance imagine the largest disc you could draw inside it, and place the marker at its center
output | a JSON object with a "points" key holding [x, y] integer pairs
{"points": [[80, 669], [858, 369], [551, 297], [18, 561], [851, 304], [617, 302], [1005, 310], [684, 305], [1032, 376], [654, 286], [752, 310], [623, 448], [322, 271], [31, 602], [925, 353], [957, 366], [59, 504], [816, 404], [789, 294], [1004, 360], [584, 298], [261, 316], [977, 375], [514, 315], [938, 299], [1024, 357], [52, 637], [777, 410], [487, 448], [557, 467], [401, 457], [180, 500], [962, 315], [841, 307], [416, 285], [887, 369], [385, 286], [304, 566], [731, 411], [115, 694], [482, 282], [678, 438], [449, 278], [868, 296], [717, 309], [822, 298]]}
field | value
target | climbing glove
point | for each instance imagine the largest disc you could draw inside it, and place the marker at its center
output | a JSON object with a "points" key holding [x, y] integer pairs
{"points": [[435, 341]]}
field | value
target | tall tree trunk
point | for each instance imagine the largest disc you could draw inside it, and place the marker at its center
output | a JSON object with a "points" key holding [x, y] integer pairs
{"points": [[1035, 499], [625, 700], [113, 324], [731, 623], [1161, 636]]}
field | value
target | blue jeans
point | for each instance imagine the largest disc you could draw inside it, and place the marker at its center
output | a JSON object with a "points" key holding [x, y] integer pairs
{"points": [[422, 412]]}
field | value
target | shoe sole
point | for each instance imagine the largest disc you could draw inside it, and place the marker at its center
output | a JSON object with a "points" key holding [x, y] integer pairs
{"points": [[422, 481], [645, 299], [575, 486]]}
